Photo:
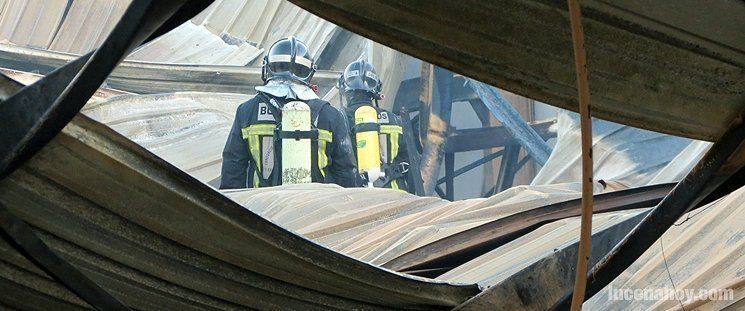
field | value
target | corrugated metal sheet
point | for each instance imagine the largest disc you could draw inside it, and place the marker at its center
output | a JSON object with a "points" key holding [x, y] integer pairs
{"points": [[157, 238], [26, 78], [86, 25], [188, 129], [376, 225], [32, 23], [229, 32], [620, 153], [59, 25], [148, 77], [499, 264], [705, 250], [192, 44], [262, 22]]}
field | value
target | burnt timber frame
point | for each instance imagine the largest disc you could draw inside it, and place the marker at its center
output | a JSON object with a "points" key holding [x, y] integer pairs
{"points": [[463, 140], [42, 109]]}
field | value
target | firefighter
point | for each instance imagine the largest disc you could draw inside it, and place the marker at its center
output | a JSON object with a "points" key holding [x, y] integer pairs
{"points": [[360, 90], [253, 157]]}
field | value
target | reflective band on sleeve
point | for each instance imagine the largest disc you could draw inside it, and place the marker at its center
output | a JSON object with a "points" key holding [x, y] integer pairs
{"points": [[390, 129], [393, 132], [260, 129], [324, 138], [253, 133], [325, 135], [254, 147]]}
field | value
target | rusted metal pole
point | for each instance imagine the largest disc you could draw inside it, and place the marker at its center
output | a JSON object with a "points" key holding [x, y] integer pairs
{"points": [[583, 88]]}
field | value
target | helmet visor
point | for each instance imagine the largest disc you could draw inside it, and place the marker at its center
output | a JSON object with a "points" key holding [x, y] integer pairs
{"points": [[361, 80], [281, 65]]}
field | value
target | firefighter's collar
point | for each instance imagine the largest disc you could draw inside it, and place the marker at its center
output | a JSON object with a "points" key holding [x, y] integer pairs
{"points": [[287, 89]]}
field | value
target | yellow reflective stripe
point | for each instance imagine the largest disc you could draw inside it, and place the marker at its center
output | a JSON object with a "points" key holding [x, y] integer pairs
{"points": [[252, 133], [394, 184], [390, 129], [393, 132], [259, 129], [324, 137], [394, 146], [323, 160], [255, 149]]}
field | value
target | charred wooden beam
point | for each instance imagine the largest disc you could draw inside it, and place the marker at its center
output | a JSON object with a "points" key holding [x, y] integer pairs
{"points": [[436, 129], [449, 176], [490, 137], [472, 165]]}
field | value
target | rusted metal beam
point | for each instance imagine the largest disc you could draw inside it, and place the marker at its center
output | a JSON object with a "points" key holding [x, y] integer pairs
{"points": [[464, 246]]}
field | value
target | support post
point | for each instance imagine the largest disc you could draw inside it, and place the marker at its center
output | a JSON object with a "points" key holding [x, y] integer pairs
{"points": [[436, 131], [449, 176], [508, 167]]}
